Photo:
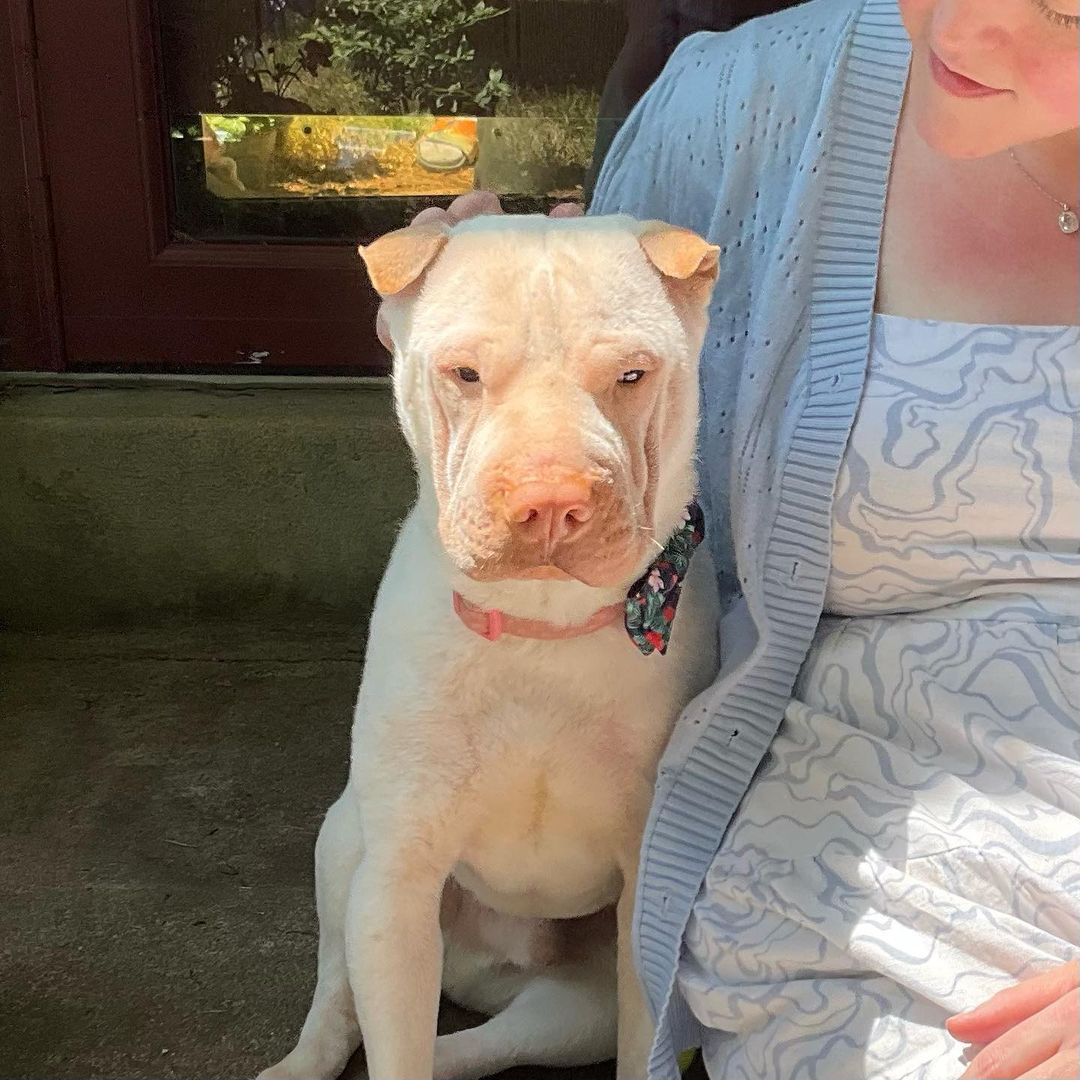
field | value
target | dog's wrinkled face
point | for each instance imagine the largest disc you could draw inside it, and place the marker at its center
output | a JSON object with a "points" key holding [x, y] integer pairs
{"points": [[546, 378]]}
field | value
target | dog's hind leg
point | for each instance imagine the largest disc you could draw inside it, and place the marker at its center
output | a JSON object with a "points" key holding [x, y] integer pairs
{"points": [[561, 1019], [331, 1032]]}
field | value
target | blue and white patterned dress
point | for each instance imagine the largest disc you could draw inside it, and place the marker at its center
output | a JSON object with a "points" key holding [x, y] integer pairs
{"points": [[912, 842]]}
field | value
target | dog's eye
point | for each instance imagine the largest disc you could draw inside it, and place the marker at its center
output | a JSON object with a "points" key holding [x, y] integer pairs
{"points": [[631, 377], [467, 374]]}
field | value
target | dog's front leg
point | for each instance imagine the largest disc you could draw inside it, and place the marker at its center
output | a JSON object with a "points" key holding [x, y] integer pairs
{"points": [[394, 949], [635, 1021]]}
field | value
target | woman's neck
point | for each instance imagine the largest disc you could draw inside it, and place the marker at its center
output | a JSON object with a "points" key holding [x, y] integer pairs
{"points": [[1055, 164], [972, 240]]}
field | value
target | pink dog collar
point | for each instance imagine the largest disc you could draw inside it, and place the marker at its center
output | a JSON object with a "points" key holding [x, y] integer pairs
{"points": [[492, 624]]}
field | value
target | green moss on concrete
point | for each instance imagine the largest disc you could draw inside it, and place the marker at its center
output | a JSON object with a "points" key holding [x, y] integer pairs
{"points": [[133, 501]]}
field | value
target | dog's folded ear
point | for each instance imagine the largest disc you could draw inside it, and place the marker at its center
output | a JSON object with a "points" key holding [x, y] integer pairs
{"points": [[679, 254], [399, 258]]}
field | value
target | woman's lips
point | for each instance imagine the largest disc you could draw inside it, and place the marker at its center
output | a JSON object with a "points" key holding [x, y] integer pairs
{"points": [[956, 84]]}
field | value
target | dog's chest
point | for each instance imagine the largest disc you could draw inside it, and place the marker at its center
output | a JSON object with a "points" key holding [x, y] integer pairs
{"points": [[549, 816], [563, 754]]}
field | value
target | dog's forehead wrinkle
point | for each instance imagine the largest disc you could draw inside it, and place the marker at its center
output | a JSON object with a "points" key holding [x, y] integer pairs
{"points": [[494, 271], [544, 338]]}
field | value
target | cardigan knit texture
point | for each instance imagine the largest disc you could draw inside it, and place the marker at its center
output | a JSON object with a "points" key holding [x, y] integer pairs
{"points": [[775, 142]]}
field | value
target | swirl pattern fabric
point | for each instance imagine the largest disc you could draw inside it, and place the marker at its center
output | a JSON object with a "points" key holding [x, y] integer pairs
{"points": [[911, 844]]}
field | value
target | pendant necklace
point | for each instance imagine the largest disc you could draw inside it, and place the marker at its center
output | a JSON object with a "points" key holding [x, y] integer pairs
{"points": [[1067, 220]]}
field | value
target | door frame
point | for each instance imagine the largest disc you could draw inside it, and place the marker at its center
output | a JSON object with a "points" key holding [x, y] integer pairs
{"points": [[29, 288]]}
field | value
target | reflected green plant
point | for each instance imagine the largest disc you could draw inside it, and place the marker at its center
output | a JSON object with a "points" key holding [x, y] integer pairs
{"points": [[413, 57]]}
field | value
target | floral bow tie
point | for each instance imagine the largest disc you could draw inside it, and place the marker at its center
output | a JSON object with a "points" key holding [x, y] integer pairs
{"points": [[651, 602]]}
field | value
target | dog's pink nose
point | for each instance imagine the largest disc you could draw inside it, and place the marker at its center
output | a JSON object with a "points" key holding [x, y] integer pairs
{"points": [[549, 513]]}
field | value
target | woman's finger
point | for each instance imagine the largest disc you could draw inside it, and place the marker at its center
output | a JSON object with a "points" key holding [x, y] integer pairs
{"points": [[431, 213], [567, 209], [473, 204], [1064, 1066], [1030, 1043], [1009, 1007]]}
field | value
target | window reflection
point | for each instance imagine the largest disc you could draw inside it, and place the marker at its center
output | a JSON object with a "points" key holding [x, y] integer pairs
{"points": [[333, 119]]}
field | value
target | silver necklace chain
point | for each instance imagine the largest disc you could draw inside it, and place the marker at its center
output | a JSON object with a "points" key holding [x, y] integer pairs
{"points": [[1068, 221]]}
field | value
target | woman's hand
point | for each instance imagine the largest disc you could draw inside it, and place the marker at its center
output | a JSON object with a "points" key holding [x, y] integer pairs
{"points": [[472, 204], [1029, 1032]]}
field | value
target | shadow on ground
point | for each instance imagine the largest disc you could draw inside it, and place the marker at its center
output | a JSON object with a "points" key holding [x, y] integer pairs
{"points": [[161, 797]]}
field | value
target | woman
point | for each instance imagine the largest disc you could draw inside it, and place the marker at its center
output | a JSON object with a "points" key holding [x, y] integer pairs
{"points": [[890, 456]]}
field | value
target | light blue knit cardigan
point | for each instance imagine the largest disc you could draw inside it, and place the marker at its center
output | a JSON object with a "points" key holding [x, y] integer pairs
{"points": [[775, 142]]}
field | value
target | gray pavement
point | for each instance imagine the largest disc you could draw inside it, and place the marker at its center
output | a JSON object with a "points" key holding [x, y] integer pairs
{"points": [[161, 796]]}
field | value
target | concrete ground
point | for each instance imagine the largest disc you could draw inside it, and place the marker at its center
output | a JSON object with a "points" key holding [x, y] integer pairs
{"points": [[161, 797]]}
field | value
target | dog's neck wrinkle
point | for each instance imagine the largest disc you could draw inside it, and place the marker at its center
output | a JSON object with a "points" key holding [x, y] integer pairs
{"points": [[561, 603]]}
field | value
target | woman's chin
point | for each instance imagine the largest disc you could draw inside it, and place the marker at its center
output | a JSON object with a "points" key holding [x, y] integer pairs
{"points": [[945, 125], [952, 139]]}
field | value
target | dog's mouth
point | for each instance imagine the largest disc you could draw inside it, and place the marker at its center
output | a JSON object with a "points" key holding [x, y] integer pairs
{"points": [[546, 572], [604, 567]]}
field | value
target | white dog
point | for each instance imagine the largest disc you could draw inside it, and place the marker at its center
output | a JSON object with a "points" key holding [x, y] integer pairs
{"points": [[508, 727]]}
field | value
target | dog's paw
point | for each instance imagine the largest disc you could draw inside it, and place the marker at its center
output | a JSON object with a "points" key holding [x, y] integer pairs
{"points": [[285, 1070], [280, 1071], [301, 1065]]}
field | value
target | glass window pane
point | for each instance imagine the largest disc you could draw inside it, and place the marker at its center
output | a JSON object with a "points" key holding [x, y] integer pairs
{"points": [[329, 120]]}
